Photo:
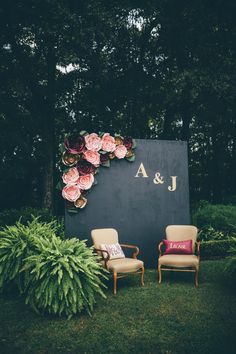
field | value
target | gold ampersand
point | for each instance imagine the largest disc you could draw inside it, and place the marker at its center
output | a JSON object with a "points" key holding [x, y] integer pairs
{"points": [[158, 178]]}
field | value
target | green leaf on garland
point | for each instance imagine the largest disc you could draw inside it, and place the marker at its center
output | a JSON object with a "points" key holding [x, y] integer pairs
{"points": [[100, 134], [95, 182], [84, 133], [106, 164], [62, 148], [72, 211], [102, 152], [131, 159], [134, 144], [60, 185]]}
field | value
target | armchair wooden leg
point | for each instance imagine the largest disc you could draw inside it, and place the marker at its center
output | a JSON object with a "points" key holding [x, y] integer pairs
{"points": [[114, 282], [196, 277], [159, 273], [142, 276]]}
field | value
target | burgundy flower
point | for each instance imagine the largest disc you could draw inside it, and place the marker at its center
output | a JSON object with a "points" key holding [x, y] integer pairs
{"points": [[84, 167], [83, 192], [104, 158], [75, 144], [128, 142]]}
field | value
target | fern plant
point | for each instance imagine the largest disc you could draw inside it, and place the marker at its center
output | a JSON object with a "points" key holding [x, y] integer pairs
{"points": [[18, 242], [63, 278], [57, 276]]}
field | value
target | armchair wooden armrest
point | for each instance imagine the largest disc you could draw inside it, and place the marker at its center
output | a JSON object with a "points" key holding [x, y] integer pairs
{"points": [[159, 248], [135, 253], [198, 248], [106, 258]]}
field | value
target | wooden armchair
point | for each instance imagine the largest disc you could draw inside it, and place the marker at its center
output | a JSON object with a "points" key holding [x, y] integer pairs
{"points": [[180, 262], [120, 267]]}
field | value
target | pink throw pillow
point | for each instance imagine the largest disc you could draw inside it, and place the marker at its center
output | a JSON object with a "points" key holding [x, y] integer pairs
{"points": [[178, 247], [114, 250]]}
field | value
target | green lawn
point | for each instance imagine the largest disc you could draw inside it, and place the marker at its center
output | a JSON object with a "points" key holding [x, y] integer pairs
{"points": [[173, 317]]}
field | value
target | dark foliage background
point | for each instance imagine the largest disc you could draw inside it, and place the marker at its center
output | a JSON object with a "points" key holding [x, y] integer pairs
{"points": [[150, 69]]}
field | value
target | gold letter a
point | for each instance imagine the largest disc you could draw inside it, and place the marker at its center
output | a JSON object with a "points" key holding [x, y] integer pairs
{"points": [[141, 171]]}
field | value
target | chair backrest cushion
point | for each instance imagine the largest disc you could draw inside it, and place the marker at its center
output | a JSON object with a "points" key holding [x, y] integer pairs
{"points": [[104, 236], [182, 233]]}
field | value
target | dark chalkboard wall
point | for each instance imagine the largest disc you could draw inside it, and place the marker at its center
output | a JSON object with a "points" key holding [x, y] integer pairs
{"points": [[137, 207]]}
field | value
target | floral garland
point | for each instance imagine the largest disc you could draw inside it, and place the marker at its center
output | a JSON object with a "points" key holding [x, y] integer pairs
{"points": [[82, 155]]}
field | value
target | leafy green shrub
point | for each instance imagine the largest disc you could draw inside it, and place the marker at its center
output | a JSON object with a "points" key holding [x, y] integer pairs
{"points": [[63, 278], [216, 248], [220, 217], [230, 268], [208, 233], [16, 243], [11, 216]]}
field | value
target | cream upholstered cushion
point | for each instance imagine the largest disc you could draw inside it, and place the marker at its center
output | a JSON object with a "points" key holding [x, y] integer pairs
{"points": [[182, 233], [179, 260], [124, 265], [104, 236]]}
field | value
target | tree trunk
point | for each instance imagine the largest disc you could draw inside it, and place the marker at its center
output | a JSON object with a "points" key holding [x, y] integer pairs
{"points": [[216, 167], [185, 128], [49, 131], [167, 129]]}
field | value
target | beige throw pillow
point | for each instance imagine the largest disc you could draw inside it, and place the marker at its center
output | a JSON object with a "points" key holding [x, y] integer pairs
{"points": [[114, 250]]}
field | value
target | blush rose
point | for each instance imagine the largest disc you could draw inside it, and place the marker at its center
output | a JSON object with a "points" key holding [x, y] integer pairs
{"points": [[120, 151], [108, 143], [71, 192], [93, 142], [85, 182], [71, 176], [93, 157]]}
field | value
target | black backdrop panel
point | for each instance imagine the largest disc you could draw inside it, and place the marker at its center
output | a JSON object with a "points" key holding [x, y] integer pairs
{"points": [[139, 207]]}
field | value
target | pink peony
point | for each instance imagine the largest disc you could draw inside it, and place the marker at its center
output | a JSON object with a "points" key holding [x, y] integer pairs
{"points": [[71, 192], [71, 176], [108, 143], [93, 157], [85, 182], [93, 142], [120, 151]]}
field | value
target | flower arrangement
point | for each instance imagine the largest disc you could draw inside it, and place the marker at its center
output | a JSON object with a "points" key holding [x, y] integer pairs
{"points": [[82, 155]]}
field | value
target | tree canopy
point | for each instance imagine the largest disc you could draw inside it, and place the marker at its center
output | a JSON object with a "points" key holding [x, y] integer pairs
{"points": [[150, 69]]}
